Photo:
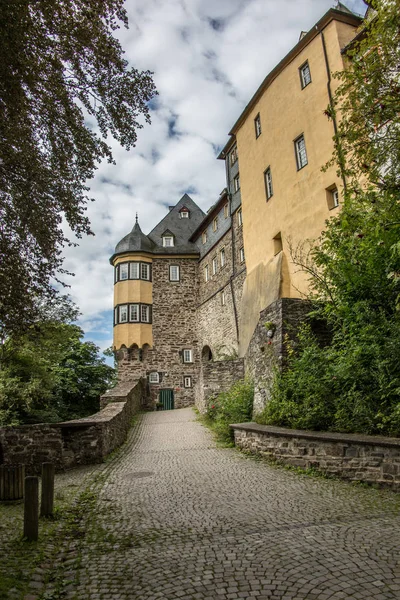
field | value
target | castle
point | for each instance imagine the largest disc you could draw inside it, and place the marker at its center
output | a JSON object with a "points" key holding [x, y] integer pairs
{"points": [[192, 297]]}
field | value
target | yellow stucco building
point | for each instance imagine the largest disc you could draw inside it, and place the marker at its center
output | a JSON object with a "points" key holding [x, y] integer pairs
{"points": [[282, 140]]}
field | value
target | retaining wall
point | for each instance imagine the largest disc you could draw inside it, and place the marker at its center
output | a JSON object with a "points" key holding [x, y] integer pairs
{"points": [[216, 377], [78, 442], [370, 459]]}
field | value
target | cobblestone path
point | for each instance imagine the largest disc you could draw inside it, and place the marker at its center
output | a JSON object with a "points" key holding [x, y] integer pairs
{"points": [[179, 519]]}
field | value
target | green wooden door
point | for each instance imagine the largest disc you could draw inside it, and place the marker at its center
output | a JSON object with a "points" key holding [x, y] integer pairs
{"points": [[167, 399]]}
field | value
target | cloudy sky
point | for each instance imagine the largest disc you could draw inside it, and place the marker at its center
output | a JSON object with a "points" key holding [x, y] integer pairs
{"points": [[208, 58]]}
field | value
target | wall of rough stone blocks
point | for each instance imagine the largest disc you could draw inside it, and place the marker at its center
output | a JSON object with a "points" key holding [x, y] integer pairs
{"points": [[216, 377], [78, 442], [370, 459]]}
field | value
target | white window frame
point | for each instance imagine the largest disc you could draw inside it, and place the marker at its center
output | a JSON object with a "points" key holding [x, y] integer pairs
{"points": [[234, 155], [187, 355], [236, 183], [268, 183], [206, 273], [214, 265], [134, 270], [223, 298], [123, 308], [123, 271], [240, 217], [145, 271], [215, 223], [168, 241], [335, 198], [174, 273], [134, 308], [184, 214], [257, 125], [204, 237], [301, 152], [305, 75], [222, 257], [241, 254], [144, 313], [154, 377], [187, 381], [115, 316]]}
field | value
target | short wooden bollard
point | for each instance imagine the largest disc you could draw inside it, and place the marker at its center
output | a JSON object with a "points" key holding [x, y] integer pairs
{"points": [[47, 499], [11, 483], [31, 508]]}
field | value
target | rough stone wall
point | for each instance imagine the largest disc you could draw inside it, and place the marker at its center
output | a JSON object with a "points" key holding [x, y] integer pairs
{"points": [[174, 329], [218, 281], [83, 441], [266, 353], [354, 457], [31, 445], [216, 377]]}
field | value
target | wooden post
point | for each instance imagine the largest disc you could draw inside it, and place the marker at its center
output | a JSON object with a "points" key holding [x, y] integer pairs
{"points": [[31, 508], [46, 505]]}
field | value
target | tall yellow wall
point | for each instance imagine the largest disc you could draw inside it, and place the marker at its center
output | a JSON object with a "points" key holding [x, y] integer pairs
{"points": [[133, 290], [298, 208]]}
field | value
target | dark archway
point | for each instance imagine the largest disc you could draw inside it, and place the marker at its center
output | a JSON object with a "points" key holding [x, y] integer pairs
{"points": [[206, 354]]}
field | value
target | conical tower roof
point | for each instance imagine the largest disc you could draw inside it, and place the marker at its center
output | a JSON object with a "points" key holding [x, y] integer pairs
{"points": [[135, 241]]}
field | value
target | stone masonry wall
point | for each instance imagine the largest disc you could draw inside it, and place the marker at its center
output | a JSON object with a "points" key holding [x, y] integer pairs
{"points": [[371, 459], [73, 443], [174, 329], [264, 352], [217, 377]]}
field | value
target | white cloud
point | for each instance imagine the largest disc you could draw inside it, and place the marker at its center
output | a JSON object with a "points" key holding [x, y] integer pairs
{"points": [[208, 58]]}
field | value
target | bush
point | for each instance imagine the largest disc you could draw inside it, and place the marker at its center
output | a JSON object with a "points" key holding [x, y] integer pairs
{"points": [[233, 406]]}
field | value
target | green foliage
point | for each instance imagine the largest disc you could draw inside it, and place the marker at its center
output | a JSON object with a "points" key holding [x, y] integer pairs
{"points": [[65, 90], [233, 406], [354, 384], [50, 374]]}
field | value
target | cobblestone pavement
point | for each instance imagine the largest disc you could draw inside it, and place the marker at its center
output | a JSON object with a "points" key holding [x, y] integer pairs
{"points": [[179, 518]]}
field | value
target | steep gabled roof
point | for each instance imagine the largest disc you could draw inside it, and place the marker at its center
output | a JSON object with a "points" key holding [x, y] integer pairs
{"points": [[182, 229]]}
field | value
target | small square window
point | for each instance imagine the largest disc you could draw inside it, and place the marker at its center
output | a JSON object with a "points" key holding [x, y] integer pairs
{"points": [[214, 265], [154, 377], [134, 270], [123, 271], [222, 257], [187, 382], [168, 241], [236, 183], [204, 237], [226, 210], [241, 254], [144, 271], [240, 217], [123, 313], [305, 75], [301, 153], [184, 214], [215, 224], [187, 356], [257, 125], [144, 313], [234, 155], [332, 197], [134, 313], [174, 273], [223, 299], [268, 183]]}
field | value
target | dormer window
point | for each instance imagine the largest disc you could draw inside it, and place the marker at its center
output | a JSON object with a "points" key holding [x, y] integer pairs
{"points": [[184, 213], [168, 241]]}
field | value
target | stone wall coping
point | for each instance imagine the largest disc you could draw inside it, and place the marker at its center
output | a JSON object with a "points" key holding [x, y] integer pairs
{"points": [[327, 436], [108, 413], [121, 389]]}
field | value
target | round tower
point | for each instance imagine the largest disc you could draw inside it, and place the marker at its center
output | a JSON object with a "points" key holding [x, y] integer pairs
{"points": [[133, 290]]}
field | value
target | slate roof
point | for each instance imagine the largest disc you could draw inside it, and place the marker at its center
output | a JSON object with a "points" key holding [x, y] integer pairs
{"points": [[181, 229]]}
